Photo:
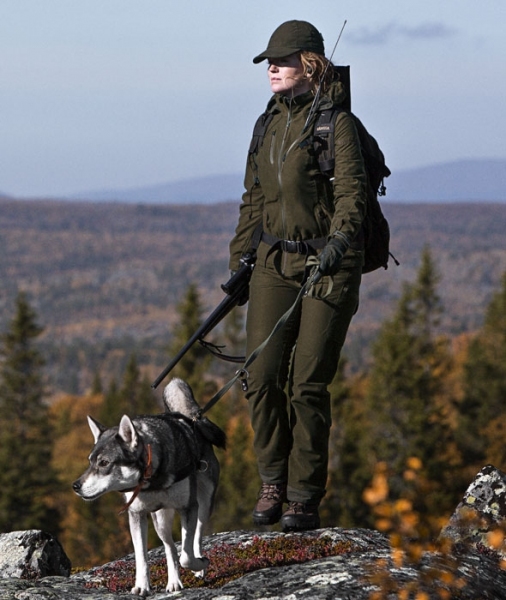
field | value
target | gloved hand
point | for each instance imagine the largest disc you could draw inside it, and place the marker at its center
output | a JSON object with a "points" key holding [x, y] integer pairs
{"points": [[332, 254], [244, 297]]}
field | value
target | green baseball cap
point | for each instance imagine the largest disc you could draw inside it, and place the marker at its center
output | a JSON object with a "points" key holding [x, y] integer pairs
{"points": [[290, 37]]}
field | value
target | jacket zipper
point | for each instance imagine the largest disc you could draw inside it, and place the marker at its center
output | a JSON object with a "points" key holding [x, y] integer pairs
{"points": [[281, 160]]}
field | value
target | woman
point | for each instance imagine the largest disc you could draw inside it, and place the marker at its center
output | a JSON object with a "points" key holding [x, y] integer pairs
{"points": [[300, 212]]}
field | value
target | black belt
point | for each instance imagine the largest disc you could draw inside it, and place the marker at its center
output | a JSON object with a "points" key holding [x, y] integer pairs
{"points": [[293, 246]]}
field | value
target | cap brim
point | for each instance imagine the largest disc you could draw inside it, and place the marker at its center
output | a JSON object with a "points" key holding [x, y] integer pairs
{"points": [[275, 53]]}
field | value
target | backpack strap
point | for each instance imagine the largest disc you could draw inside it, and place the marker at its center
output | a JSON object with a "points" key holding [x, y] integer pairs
{"points": [[323, 139], [323, 144], [259, 132]]}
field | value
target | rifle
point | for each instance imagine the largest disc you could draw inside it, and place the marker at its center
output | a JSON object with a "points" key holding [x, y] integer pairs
{"points": [[236, 289]]}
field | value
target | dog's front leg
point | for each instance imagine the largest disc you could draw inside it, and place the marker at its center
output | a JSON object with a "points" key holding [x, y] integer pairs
{"points": [[139, 531], [189, 517], [162, 520]]}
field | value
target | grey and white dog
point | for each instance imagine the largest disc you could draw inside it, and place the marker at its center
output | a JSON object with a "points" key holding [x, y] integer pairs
{"points": [[161, 463]]}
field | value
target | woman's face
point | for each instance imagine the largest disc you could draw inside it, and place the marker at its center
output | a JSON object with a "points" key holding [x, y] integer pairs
{"points": [[286, 76]]}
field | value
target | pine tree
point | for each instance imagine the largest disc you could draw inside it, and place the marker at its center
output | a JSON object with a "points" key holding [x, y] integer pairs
{"points": [[406, 388], [194, 364], [484, 384], [239, 480], [134, 397], [27, 480], [96, 386], [349, 464], [232, 341]]}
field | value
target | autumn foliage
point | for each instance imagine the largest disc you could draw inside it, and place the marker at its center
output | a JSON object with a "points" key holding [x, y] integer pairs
{"points": [[410, 429]]}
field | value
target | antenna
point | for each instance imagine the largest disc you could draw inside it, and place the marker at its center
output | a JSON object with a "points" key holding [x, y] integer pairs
{"points": [[316, 98]]}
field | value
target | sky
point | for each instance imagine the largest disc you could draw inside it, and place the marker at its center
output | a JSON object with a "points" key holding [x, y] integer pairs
{"points": [[108, 94]]}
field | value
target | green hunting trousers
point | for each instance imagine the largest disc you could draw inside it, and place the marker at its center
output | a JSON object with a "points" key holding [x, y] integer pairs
{"points": [[288, 399]]}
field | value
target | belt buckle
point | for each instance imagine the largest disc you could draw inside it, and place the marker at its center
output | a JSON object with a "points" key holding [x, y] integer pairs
{"points": [[290, 246]]}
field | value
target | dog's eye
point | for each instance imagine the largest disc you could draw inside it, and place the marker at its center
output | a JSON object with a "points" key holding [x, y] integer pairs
{"points": [[103, 462]]}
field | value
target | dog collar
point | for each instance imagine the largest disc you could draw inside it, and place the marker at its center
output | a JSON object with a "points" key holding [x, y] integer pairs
{"points": [[146, 476]]}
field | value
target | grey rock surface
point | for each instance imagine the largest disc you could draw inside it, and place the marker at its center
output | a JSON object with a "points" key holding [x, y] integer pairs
{"points": [[481, 512], [32, 554], [470, 565], [367, 570]]}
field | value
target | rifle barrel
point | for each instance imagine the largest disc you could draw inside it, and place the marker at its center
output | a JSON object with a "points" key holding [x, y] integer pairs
{"points": [[218, 314]]}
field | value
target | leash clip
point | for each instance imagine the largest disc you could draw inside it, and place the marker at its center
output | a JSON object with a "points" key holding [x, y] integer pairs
{"points": [[243, 375]]}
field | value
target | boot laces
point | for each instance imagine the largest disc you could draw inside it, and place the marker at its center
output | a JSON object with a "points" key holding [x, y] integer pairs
{"points": [[271, 491]]}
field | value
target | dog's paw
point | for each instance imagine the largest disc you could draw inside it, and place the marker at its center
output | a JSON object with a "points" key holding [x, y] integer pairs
{"points": [[140, 591], [195, 564], [200, 574], [174, 586]]}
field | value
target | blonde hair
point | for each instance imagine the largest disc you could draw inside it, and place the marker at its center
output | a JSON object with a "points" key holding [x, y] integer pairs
{"points": [[315, 65]]}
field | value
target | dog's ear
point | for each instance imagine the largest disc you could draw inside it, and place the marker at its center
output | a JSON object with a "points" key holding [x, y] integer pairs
{"points": [[96, 428], [127, 432]]}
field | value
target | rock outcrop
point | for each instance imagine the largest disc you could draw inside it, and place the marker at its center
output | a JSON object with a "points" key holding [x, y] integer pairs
{"points": [[480, 518], [32, 554], [468, 567]]}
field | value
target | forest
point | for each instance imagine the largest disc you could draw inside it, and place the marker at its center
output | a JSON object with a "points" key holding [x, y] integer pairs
{"points": [[413, 422], [105, 278]]}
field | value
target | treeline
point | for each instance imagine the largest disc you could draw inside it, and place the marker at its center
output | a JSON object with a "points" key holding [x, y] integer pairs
{"points": [[416, 425], [105, 278]]}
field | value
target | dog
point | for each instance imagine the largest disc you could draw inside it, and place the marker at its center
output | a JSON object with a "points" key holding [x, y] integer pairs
{"points": [[161, 463]]}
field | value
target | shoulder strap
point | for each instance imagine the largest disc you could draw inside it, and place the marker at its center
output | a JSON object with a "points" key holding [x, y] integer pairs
{"points": [[259, 132], [324, 148], [323, 139]]}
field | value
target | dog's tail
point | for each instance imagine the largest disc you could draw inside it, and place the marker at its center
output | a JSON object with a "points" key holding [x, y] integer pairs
{"points": [[211, 432], [178, 398]]}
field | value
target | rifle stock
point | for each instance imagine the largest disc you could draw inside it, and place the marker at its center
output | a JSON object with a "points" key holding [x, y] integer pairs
{"points": [[235, 289]]}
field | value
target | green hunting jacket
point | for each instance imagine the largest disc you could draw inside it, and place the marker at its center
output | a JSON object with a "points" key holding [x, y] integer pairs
{"points": [[287, 192]]}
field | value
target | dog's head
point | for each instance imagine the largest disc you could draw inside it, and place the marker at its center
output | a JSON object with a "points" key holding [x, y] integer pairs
{"points": [[115, 460]]}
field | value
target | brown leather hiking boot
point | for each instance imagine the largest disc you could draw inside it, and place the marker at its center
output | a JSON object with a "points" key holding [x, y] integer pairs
{"points": [[300, 516], [269, 505]]}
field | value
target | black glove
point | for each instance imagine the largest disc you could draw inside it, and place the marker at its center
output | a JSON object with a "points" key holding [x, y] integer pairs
{"points": [[332, 254], [244, 297]]}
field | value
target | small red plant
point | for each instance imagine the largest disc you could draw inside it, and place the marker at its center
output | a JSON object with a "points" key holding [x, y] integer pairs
{"points": [[227, 562]]}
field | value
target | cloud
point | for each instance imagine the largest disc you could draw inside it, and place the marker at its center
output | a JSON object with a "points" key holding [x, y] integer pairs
{"points": [[391, 31], [428, 31]]}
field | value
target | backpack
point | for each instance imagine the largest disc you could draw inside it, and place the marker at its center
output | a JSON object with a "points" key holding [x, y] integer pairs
{"points": [[375, 226]]}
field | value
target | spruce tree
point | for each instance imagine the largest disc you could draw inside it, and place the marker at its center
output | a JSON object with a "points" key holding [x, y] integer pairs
{"points": [[194, 364], [349, 468], [27, 480], [484, 383], [134, 397], [406, 388], [239, 479]]}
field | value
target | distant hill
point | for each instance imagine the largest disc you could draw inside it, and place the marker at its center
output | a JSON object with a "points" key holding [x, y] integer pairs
{"points": [[459, 181], [463, 180], [200, 190], [471, 180]]}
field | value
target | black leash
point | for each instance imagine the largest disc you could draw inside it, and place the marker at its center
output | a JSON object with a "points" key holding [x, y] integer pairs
{"points": [[242, 374]]}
